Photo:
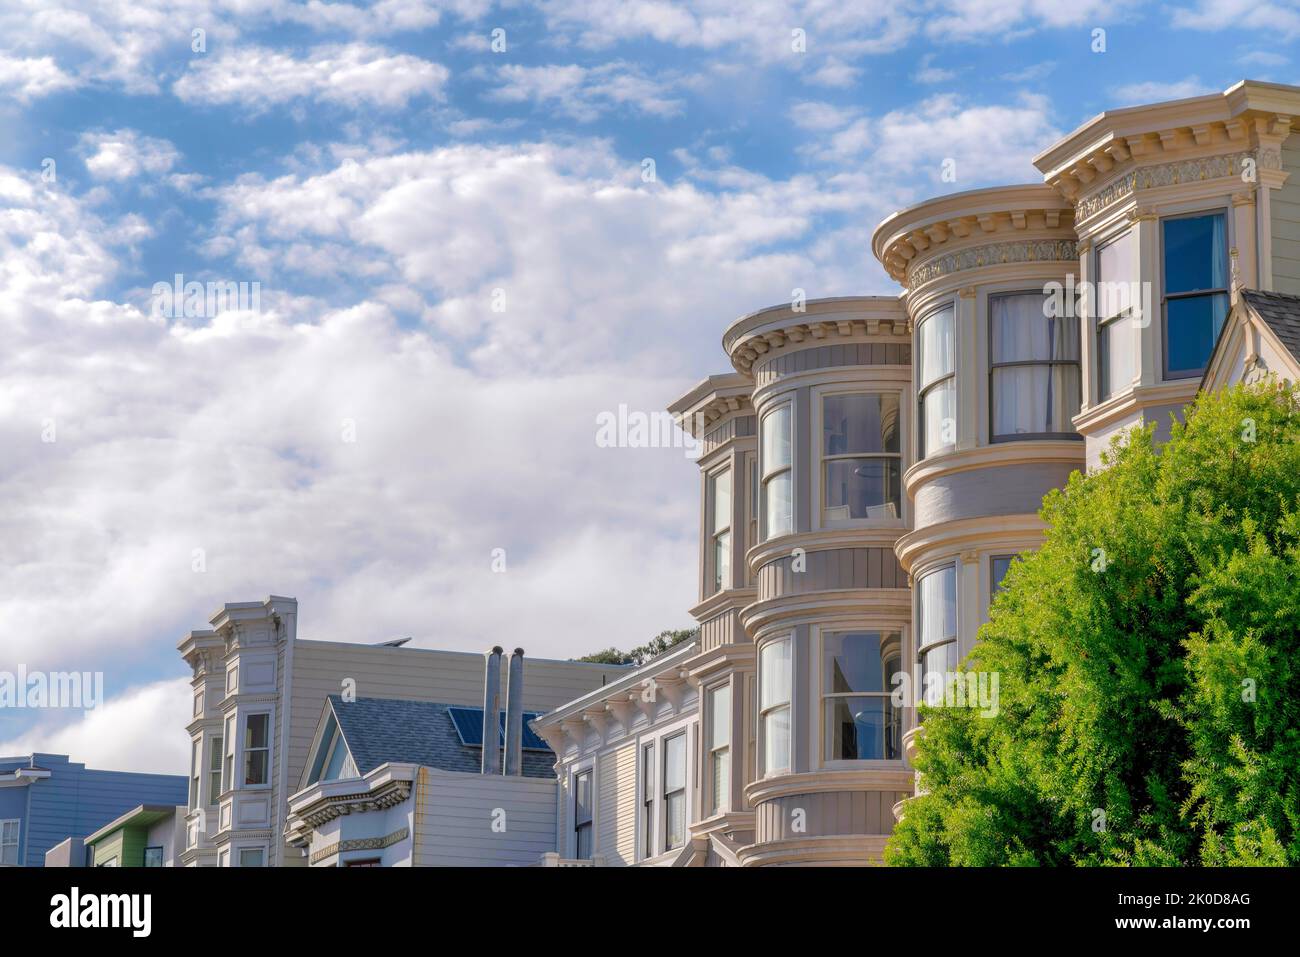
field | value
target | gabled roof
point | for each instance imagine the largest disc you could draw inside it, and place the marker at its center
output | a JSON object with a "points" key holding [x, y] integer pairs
{"points": [[1281, 313], [392, 731]]}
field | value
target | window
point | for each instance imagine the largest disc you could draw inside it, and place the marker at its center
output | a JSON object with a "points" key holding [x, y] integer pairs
{"points": [[153, 856], [257, 750], [363, 862], [753, 501], [719, 744], [778, 488], [9, 831], [861, 456], [1116, 361], [582, 815], [1195, 290], [648, 801], [998, 566], [674, 792], [228, 771], [937, 628], [860, 722], [937, 383], [1035, 386], [252, 857], [110, 862], [196, 770], [214, 769], [774, 705], [720, 528]]}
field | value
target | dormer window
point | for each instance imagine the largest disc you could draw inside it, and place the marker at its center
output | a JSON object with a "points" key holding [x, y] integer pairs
{"points": [[1195, 292]]}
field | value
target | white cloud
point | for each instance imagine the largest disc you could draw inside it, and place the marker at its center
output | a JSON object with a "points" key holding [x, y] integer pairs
{"points": [[1280, 19], [584, 93], [928, 73], [1136, 94], [123, 154], [355, 75], [142, 729], [32, 77]]}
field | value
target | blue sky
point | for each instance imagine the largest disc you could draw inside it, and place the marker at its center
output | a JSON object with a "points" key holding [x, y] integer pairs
{"points": [[461, 263]]}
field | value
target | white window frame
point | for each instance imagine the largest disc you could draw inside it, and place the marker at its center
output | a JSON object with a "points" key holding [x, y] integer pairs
{"points": [[658, 836], [994, 365], [230, 735], [590, 773], [760, 736], [766, 475], [715, 581], [16, 843], [216, 752], [647, 787], [819, 635], [818, 397], [955, 639], [241, 763], [1102, 324], [196, 773], [923, 388], [685, 791], [717, 804], [246, 848]]}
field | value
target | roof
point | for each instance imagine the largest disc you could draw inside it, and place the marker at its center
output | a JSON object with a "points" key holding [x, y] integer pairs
{"points": [[141, 816], [391, 731], [1280, 312]]}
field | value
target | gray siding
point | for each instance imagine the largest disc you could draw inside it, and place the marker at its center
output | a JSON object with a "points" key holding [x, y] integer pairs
{"points": [[1284, 205], [833, 568], [996, 490], [454, 827], [827, 813], [828, 357]]}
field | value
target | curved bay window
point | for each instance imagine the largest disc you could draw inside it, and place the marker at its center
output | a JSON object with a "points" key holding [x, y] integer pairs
{"points": [[1195, 290], [774, 705], [936, 629], [778, 483], [936, 382], [1034, 389], [859, 720], [861, 456]]}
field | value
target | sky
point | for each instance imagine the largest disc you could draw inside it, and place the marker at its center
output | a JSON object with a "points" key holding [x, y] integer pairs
{"points": [[473, 227]]}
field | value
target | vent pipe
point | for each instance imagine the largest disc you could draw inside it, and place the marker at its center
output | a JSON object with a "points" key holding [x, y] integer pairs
{"points": [[492, 712], [515, 715]]}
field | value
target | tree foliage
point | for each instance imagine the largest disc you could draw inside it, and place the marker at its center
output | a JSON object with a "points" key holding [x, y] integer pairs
{"points": [[1148, 660], [639, 655]]}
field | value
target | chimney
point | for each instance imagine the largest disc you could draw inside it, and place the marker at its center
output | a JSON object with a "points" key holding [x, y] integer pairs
{"points": [[491, 711], [515, 715]]}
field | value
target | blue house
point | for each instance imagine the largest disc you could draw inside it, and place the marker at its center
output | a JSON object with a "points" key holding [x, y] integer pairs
{"points": [[45, 798]]}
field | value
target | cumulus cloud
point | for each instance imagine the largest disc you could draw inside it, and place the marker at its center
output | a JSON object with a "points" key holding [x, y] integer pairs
{"points": [[1134, 94], [354, 75], [124, 154], [32, 77], [584, 93]]}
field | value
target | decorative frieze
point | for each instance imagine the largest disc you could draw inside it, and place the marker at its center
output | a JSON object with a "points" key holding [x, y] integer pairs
{"points": [[994, 254], [361, 844], [1175, 173]]}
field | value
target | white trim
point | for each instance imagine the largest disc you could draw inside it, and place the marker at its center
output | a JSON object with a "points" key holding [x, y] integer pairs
{"points": [[860, 386]]}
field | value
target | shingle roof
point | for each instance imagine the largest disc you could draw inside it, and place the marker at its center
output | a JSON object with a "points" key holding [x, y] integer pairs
{"points": [[1281, 313], [382, 730]]}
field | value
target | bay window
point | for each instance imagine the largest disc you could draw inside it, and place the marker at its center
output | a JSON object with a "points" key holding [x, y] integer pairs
{"points": [[859, 720], [214, 769], [936, 382], [861, 456], [674, 791], [778, 484], [774, 705], [720, 529], [257, 750], [1115, 308], [196, 771], [228, 770], [648, 800], [582, 815], [719, 747], [936, 628], [1195, 290], [1034, 375]]}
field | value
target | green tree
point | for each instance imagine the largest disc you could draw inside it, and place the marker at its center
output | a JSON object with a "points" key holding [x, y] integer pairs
{"points": [[639, 655], [1148, 656]]}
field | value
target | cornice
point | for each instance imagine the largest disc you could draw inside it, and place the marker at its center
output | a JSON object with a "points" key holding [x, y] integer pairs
{"points": [[729, 599], [1018, 533], [819, 322], [829, 780], [826, 539], [1133, 401], [809, 606], [997, 455], [1015, 252], [701, 409]]}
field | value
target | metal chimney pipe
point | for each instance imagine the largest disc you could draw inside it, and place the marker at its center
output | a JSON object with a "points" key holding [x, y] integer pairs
{"points": [[492, 711], [515, 715]]}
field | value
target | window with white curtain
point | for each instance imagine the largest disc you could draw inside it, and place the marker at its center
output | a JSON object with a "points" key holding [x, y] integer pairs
{"points": [[1114, 308], [719, 746], [1195, 294], [774, 705], [674, 791], [936, 627], [9, 831], [1034, 376], [778, 484], [861, 456], [720, 529], [936, 382], [859, 720]]}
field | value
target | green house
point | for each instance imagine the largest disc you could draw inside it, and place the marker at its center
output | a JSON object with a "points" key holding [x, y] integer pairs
{"points": [[149, 835]]}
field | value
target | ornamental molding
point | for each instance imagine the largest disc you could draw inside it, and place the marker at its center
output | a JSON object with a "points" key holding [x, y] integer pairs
{"points": [[1176, 173], [335, 806], [361, 844], [994, 254], [766, 345]]}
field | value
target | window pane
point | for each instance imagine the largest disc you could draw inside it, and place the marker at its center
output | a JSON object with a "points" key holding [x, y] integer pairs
{"points": [[1021, 333], [1030, 400], [941, 660], [777, 494], [939, 417], [255, 767], [337, 759], [774, 674], [938, 606], [1195, 254], [722, 561], [719, 717], [582, 797], [998, 566], [935, 344], [675, 812], [861, 488], [1115, 275], [721, 500], [1116, 357], [776, 740], [860, 423], [674, 763], [255, 730], [1193, 325], [862, 729], [647, 773], [860, 661], [250, 857], [776, 440], [584, 842], [721, 778]]}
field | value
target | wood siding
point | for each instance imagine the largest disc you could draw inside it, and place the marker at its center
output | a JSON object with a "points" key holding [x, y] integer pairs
{"points": [[827, 813], [455, 828], [1284, 205], [830, 357], [616, 807], [829, 569]]}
